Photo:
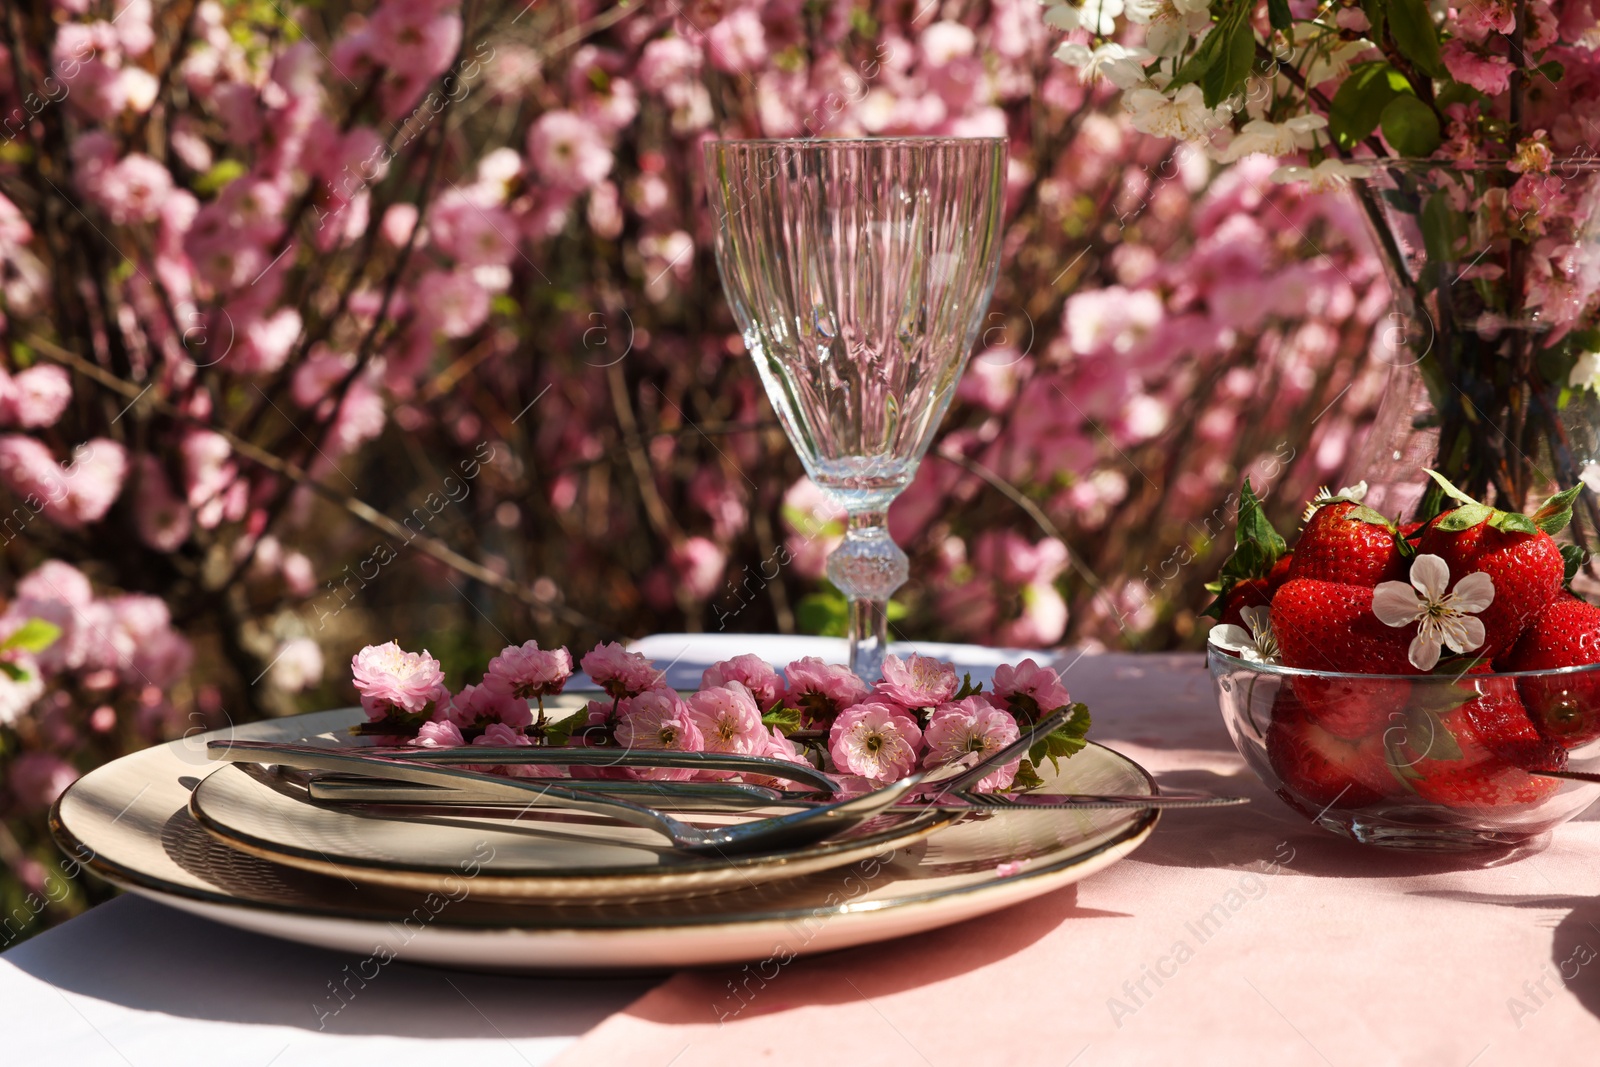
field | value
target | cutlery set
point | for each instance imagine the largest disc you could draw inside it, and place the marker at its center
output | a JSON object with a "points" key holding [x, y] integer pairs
{"points": [[420, 781]]}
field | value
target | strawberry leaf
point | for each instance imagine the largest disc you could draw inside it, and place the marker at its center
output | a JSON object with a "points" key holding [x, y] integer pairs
{"points": [[1465, 517], [1516, 522], [1362, 513], [1425, 731], [1449, 488], [1554, 514], [1574, 558], [1257, 546]]}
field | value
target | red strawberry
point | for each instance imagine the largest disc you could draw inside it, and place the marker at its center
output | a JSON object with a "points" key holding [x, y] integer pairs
{"points": [[1476, 755], [1319, 768], [1280, 571], [1565, 707], [1329, 626], [1347, 543], [1527, 570], [1250, 593], [1351, 708]]}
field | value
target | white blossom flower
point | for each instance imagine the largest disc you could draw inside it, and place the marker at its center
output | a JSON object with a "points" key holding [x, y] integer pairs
{"points": [[1254, 642], [1586, 372], [1265, 138], [1325, 176], [1100, 16], [1061, 16], [1446, 618], [1172, 22], [1183, 115], [1116, 63], [1353, 493]]}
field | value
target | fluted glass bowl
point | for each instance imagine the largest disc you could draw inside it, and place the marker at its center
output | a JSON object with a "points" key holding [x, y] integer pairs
{"points": [[1418, 762]]}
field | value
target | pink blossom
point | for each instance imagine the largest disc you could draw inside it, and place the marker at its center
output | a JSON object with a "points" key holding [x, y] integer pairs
{"points": [[738, 43], [1043, 619], [398, 223], [1487, 73], [39, 778], [298, 665], [132, 190], [526, 671], [391, 680], [94, 479], [728, 719], [1479, 18], [1029, 690], [473, 234], [414, 38], [568, 152], [264, 344], [667, 63], [917, 681], [751, 671], [972, 725], [38, 396], [456, 304], [438, 734], [659, 719], [877, 740], [699, 565], [478, 706], [55, 580], [820, 691], [619, 672]]}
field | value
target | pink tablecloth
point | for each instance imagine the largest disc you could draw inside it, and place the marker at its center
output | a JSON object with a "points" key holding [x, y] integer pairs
{"points": [[1237, 936]]}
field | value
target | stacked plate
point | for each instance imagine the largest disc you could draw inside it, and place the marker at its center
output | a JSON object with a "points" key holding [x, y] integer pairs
{"points": [[551, 890]]}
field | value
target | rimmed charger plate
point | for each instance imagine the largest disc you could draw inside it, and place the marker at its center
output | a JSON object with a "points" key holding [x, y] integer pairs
{"points": [[129, 822], [541, 854]]}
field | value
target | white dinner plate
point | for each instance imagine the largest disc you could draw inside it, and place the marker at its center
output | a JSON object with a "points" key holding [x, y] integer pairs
{"points": [[129, 822]]}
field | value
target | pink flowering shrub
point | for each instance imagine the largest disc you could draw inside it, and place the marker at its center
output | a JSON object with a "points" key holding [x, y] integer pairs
{"points": [[403, 317]]}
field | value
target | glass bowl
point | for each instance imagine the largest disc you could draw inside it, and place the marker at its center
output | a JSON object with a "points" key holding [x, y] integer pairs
{"points": [[1417, 761]]}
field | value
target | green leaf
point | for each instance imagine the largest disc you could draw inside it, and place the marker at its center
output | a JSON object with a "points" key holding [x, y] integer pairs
{"points": [[968, 688], [1377, 12], [1458, 93], [1464, 518], [1552, 70], [1027, 777], [1359, 103], [826, 613], [1512, 522], [1362, 513], [1411, 26], [785, 718], [1554, 514], [1062, 742], [557, 732], [1236, 59], [1279, 15], [1573, 557], [221, 173], [1410, 127], [1426, 734], [1449, 488], [12, 671], [35, 635], [1257, 546]]}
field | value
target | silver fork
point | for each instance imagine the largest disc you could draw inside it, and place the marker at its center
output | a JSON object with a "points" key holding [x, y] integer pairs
{"points": [[793, 830]]}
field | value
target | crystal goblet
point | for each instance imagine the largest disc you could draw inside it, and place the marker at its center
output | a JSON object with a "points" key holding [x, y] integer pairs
{"points": [[859, 272]]}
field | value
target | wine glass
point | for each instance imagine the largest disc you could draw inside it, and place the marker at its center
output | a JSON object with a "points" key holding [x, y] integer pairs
{"points": [[859, 272]]}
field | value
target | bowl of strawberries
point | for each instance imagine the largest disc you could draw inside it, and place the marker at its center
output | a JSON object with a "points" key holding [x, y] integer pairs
{"points": [[1416, 685]]}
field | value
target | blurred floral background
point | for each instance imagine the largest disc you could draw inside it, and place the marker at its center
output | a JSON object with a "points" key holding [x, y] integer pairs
{"points": [[331, 323]]}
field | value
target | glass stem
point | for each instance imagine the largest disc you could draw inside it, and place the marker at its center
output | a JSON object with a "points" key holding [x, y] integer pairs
{"points": [[868, 567]]}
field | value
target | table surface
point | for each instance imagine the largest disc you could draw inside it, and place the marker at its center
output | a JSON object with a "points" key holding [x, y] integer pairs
{"points": [[1239, 935]]}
